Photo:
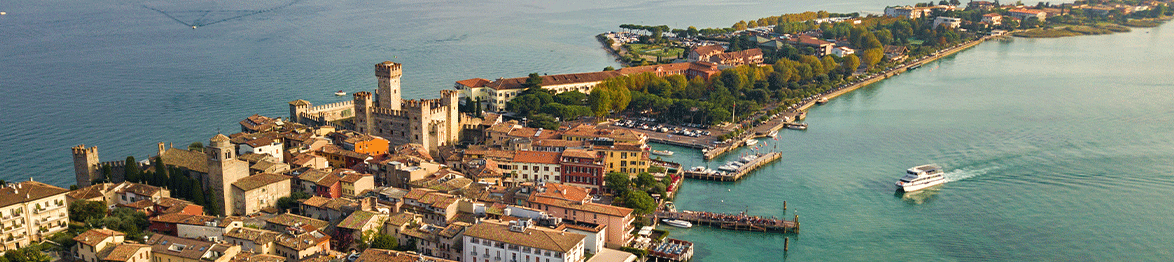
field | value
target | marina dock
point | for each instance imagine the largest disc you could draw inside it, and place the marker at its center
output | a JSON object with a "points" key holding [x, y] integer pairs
{"points": [[739, 173], [734, 221]]}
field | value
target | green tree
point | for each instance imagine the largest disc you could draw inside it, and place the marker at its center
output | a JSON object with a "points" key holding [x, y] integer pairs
{"points": [[545, 121], [617, 182], [609, 68], [84, 210], [131, 169], [161, 170], [196, 146], [600, 102], [851, 62], [533, 81], [644, 180], [30, 253], [570, 98], [382, 241], [873, 56], [639, 201]]}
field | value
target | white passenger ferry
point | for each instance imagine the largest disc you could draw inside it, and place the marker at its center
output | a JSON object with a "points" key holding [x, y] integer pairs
{"points": [[920, 177]]}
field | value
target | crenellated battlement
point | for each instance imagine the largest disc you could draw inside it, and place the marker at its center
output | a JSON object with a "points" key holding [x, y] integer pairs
{"points": [[388, 69], [332, 107], [81, 150]]}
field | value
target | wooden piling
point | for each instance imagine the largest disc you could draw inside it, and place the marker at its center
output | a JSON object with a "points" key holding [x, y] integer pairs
{"points": [[786, 243]]}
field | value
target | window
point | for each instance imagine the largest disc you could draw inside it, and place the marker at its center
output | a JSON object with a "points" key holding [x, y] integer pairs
{"points": [[545, 168]]}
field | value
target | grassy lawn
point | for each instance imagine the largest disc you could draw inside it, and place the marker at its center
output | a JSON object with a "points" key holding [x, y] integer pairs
{"points": [[655, 50]]}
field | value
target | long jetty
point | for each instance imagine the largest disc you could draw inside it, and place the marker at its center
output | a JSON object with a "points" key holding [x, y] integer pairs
{"points": [[736, 175], [734, 221]]}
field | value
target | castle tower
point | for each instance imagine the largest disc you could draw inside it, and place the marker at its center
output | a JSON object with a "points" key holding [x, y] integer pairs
{"points": [[363, 120], [296, 108], [85, 165], [223, 170], [450, 101], [388, 74]]}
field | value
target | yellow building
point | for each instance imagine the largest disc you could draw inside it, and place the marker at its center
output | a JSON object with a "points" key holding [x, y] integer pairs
{"points": [[107, 245], [625, 158]]}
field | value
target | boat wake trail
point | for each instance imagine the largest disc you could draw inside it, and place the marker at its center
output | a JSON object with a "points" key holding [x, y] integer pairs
{"points": [[965, 173]]}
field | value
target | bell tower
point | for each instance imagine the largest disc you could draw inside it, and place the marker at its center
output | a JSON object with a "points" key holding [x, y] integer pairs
{"points": [[223, 170], [388, 94]]}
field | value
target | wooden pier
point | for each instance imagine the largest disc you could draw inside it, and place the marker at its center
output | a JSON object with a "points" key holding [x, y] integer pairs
{"points": [[737, 175], [734, 221]]}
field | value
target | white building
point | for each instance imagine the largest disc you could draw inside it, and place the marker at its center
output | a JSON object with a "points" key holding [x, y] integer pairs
{"points": [[537, 165], [842, 51], [518, 241], [951, 22], [30, 212], [264, 145]]}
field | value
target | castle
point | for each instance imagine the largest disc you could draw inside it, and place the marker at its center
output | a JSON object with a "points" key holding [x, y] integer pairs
{"points": [[433, 123]]}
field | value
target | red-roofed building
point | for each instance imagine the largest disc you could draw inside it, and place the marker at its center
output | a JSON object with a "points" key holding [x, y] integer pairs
{"points": [[582, 168], [702, 53], [1022, 13], [537, 165]]}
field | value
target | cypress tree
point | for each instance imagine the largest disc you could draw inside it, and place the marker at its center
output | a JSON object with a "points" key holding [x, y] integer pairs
{"points": [[131, 169]]}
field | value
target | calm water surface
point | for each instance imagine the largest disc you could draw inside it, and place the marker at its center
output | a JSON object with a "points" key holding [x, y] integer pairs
{"points": [[1060, 148]]}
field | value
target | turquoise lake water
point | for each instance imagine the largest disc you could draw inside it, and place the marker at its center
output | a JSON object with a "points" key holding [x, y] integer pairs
{"points": [[1060, 149]]}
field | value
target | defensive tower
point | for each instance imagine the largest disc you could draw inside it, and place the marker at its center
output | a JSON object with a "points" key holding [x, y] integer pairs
{"points": [[85, 165], [388, 74]]}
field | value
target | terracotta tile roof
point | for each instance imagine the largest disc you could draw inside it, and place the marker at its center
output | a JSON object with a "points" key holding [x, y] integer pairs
{"points": [[122, 252], [431, 197], [563, 192], [415, 150], [992, 15], [383, 255], [528, 132], [313, 175], [94, 236], [621, 147], [536, 157], [358, 219], [354, 177], [198, 220], [550, 80], [749, 53], [180, 247], [585, 207], [26, 191], [257, 122], [532, 237], [259, 180], [141, 204], [595, 229], [259, 236], [474, 82], [172, 218], [560, 143], [287, 219], [1026, 11], [191, 160], [90, 192], [580, 153], [339, 203], [709, 49], [250, 257], [302, 241], [137, 189], [402, 218], [315, 201]]}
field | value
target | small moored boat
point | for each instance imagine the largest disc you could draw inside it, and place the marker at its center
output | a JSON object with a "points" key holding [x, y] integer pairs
{"points": [[677, 223], [662, 152], [796, 126], [751, 142], [340, 93]]}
